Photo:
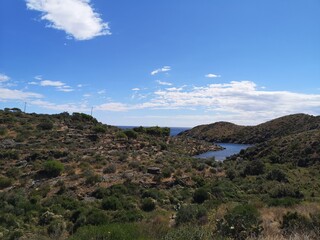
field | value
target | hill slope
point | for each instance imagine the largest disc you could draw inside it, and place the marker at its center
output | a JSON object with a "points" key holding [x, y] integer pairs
{"points": [[228, 132], [301, 149]]}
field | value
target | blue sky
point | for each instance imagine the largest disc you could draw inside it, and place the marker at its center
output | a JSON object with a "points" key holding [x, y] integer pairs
{"points": [[167, 63]]}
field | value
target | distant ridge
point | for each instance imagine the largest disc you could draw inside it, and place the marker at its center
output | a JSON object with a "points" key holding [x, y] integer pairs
{"points": [[232, 133]]}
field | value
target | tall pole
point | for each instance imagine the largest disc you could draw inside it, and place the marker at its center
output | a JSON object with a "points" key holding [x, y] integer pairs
{"points": [[91, 111], [25, 107]]}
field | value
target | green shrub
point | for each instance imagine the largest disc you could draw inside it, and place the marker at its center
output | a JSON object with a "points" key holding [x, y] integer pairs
{"points": [[3, 131], [152, 193], [5, 182], [240, 223], [293, 222], [53, 168], [189, 232], [231, 174], [167, 171], [200, 195], [97, 217], [110, 169], [255, 167], [99, 129], [285, 202], [56, 228], [121, 135], [191, 214], [285, 190], [93, 179], [148, 204], [111, 203], [109, 232], [123, 216], [158, 131], [131, 134], [277, 175], [47, 125], [9, 154]]}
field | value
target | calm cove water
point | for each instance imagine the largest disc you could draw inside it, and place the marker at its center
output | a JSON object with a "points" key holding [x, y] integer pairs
{"points": [[230, 149]]}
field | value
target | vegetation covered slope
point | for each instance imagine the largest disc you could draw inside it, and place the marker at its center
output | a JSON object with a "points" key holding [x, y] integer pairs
{"points": [[70, 177], [77, 171], [228, 132], [301, 149]]}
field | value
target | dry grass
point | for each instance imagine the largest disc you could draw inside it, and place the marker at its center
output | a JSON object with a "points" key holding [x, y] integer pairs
{"points": [[272, 218]]}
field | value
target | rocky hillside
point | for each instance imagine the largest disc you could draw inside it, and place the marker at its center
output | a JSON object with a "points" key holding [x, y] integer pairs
{"points": [[68, 176], [301, 149], [228, 132]]}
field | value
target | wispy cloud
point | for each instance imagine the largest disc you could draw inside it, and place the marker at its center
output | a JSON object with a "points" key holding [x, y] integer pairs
{"points": [[159, 70], [49, 83], [68, 107], [211, 75], [113, 107], [76, 17], [4, 77], [103, 91], [164, 83], [234, 101], [58, 85], [11, 95], [135, 89]]}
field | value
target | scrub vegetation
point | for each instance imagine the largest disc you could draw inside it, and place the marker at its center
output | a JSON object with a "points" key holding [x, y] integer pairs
{"points": [[68, 176]]}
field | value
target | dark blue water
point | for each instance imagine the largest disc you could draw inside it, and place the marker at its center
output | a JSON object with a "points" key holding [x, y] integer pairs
{"points": [[174, 131], [230, 149]]}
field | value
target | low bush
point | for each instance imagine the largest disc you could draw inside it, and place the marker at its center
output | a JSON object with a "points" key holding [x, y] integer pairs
{"points": [[109, 232], [148, 204], [110, 169], [240, 223], [131, 134], [111, 203], [200, 195], [47, 125], [53, 168], [293, 222], [255, 167], [285, 190], [99, 129], [5, 182], [191, 214], [277, 175]]}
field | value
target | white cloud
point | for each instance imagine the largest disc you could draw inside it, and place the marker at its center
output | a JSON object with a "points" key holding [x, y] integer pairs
{"points": [[211, 75], [159, 70], [69, 107], [164, 83], [58, 85], [4, 78], [9, 94], [49, 83], [174, 89], [112, 107], [135, 89], [38, 77], [76, 17], [33, 83], [101, 92], [238, 101], [65, 88]]}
